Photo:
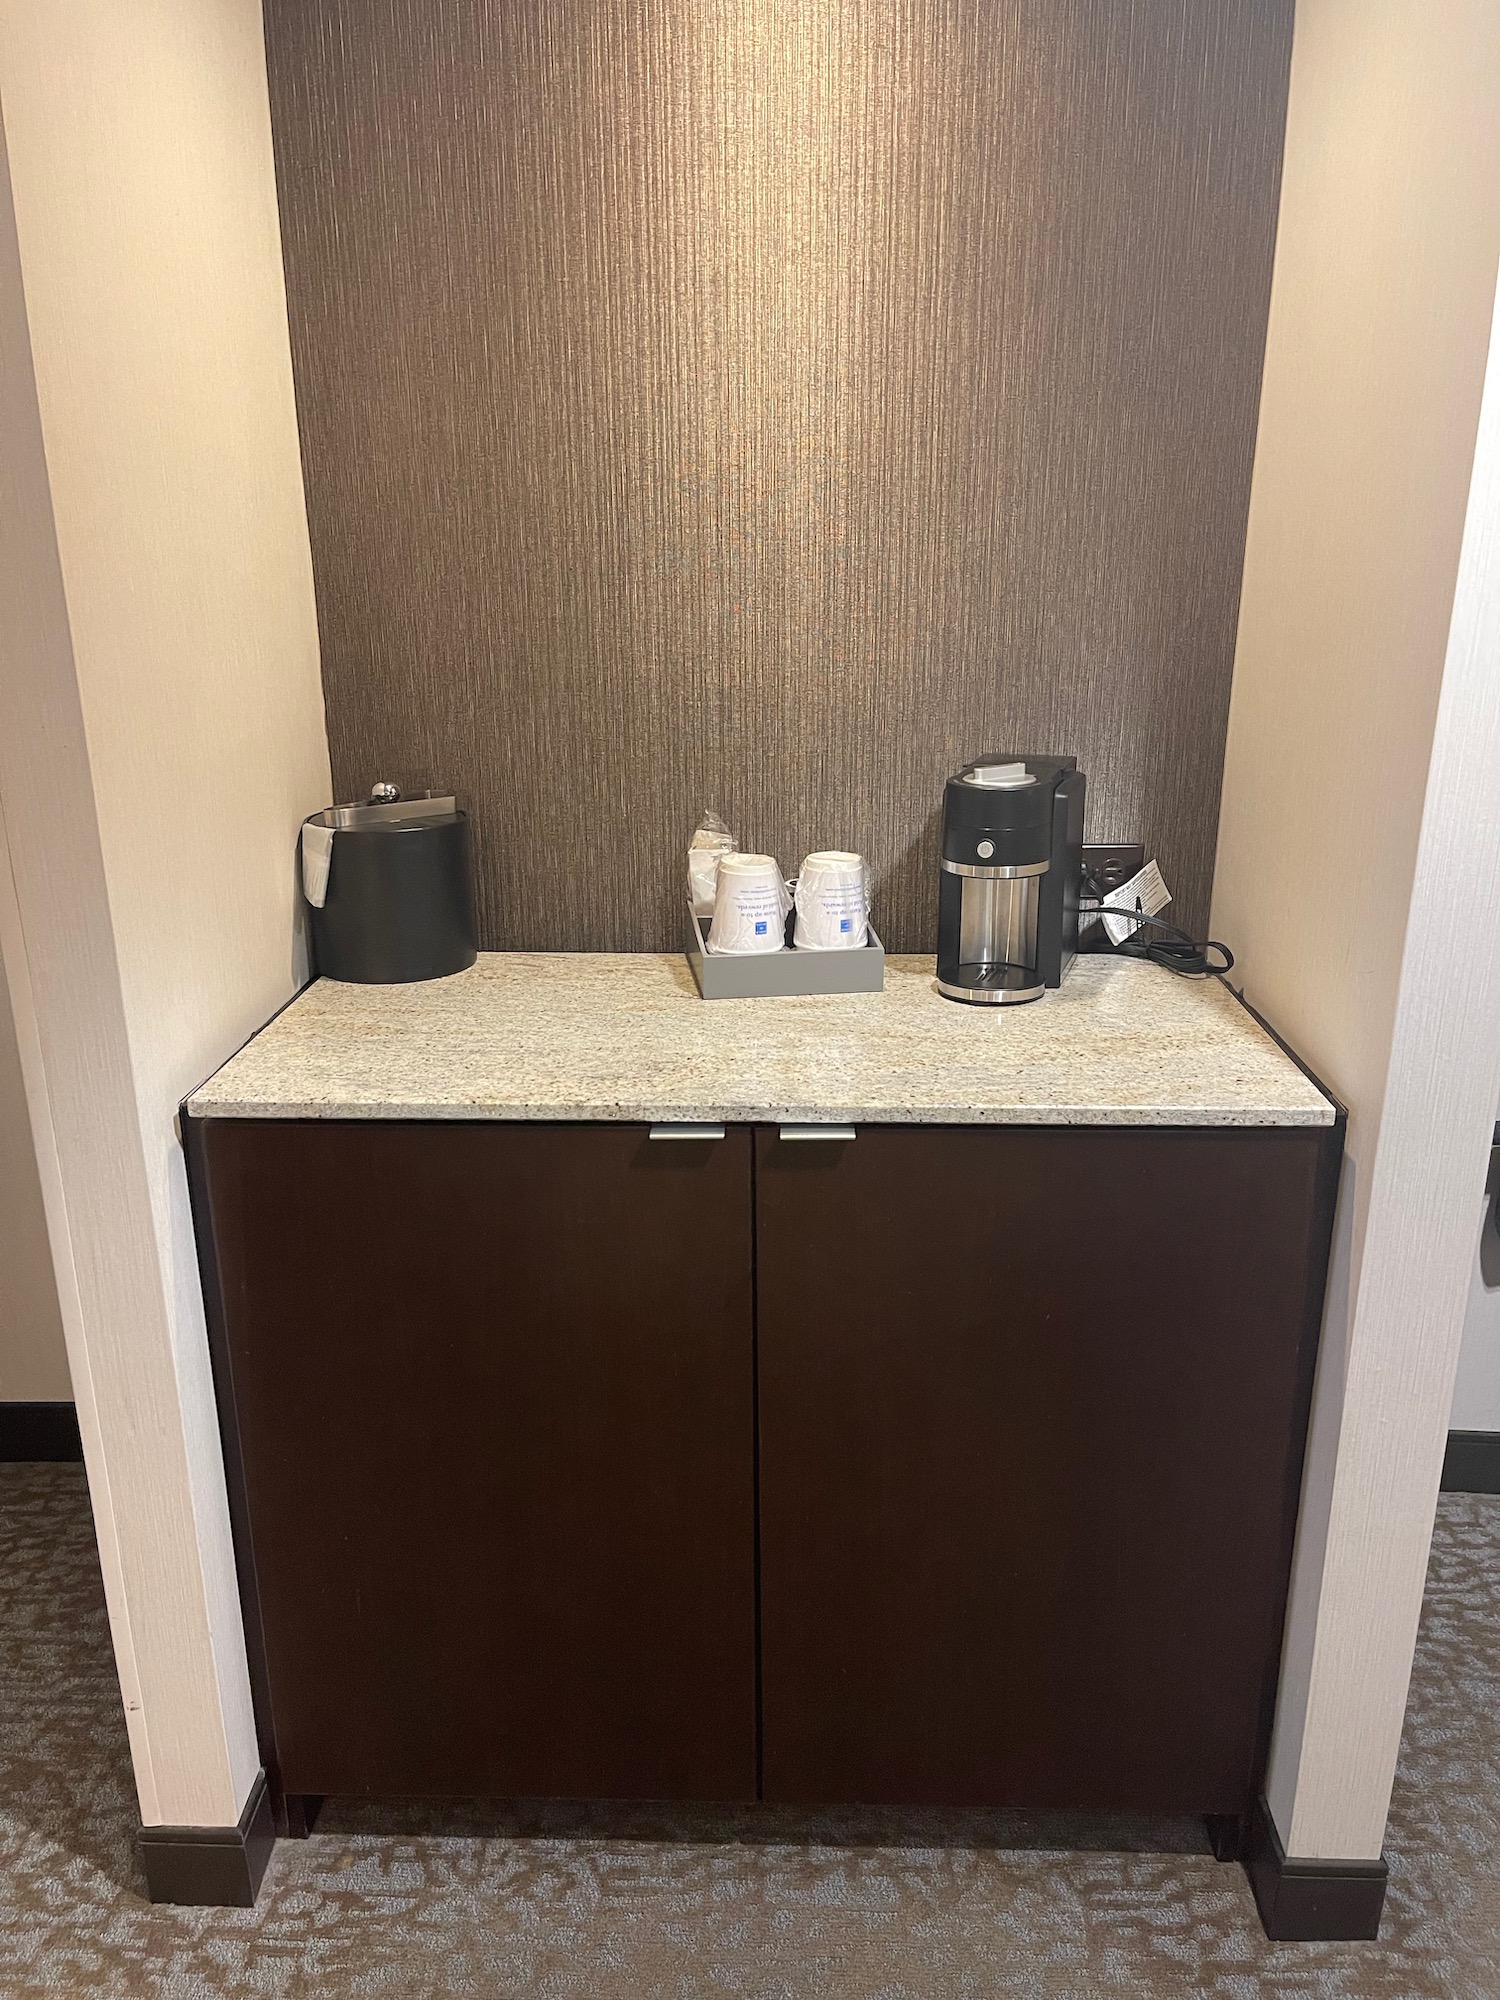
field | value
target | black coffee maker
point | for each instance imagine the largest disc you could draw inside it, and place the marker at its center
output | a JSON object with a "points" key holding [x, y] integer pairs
{"points": [[1012, 865]]}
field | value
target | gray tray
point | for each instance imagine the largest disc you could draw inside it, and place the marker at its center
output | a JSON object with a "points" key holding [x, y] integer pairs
{"points": [[764, 974]]}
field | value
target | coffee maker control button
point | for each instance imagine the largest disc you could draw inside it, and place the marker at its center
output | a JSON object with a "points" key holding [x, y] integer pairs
{"points": [[985, 849]]}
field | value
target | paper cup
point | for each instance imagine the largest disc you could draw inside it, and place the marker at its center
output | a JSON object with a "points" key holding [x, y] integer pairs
{"points": [[750, 905], [833, 904]]}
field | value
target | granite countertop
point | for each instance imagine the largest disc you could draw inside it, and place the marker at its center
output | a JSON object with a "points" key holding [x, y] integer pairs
{"points": [[595, 1035]]}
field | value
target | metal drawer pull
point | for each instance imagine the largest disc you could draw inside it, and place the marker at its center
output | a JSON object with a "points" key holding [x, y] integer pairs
{"points": [[687, 1131], [817, 1131]]}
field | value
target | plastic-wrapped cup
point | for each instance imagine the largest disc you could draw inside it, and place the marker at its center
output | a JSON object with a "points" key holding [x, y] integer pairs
{"points": [[750, 905], [833, 904], [706, 850]]}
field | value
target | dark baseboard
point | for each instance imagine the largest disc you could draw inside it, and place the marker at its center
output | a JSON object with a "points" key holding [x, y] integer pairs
{"points": [[1311, 1902], [1472, 1464], [216, 1866], [39, 1431]]}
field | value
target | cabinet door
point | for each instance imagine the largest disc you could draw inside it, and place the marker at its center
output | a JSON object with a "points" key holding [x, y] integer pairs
{"points": [[493, 1388], [1031, 1411]]}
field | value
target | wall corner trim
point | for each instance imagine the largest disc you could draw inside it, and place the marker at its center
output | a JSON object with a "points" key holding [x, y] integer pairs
{"points": [[1310, 1902], [213, 1866]]}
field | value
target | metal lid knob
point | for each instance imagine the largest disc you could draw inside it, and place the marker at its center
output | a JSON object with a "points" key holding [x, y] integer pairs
{"points": [[384, 794]]}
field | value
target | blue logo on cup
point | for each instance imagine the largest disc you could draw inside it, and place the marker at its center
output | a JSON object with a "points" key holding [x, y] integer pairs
{"points": [[760, 928], [846, 923]]}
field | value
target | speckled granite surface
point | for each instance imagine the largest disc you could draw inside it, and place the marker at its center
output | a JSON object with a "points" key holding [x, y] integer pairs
{"points": [[537, 1903], [625, 1036]]}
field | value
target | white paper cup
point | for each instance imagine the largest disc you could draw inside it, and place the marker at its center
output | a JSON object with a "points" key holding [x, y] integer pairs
{"points": [[750, 905], [833, 905]]}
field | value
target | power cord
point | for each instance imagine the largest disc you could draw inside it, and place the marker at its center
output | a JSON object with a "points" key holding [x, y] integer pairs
{"points": [[1179, 952]]}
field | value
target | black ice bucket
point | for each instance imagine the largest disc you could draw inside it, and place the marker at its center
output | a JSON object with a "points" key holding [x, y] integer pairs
{"points": [[397, 896]]}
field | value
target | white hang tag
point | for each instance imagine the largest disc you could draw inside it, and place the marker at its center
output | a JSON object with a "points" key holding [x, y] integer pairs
{"points": [[317, 855], [1145, 892]]}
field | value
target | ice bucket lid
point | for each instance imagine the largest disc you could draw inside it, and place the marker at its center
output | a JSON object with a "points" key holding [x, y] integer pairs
{"points": [[386, 811]]}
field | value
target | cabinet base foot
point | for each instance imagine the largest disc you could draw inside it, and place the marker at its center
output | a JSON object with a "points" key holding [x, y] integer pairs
{"points": [[1310, 1902], [1226, 1835], [300, 1811]]}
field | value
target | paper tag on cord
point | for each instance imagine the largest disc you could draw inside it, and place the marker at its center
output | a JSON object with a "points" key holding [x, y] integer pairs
{"points": [[1146, 892]]}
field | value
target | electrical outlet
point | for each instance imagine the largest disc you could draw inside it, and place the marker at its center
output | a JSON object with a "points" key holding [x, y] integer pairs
{"points": [[1109, 865]]}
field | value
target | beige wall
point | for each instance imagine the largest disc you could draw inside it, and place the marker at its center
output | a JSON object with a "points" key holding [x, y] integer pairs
{"points": [[1356, 789], [161, 735], [33, 1362], [1476, 1388]]}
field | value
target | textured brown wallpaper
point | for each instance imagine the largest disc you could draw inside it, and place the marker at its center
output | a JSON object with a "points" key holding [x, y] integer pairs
{"points": [[771, 404]]}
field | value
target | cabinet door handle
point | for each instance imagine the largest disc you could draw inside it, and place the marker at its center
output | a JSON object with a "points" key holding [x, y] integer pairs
{"points": [[817, 1131], [687, 1131]]}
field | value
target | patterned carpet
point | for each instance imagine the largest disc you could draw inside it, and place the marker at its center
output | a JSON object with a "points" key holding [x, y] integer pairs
{"points": [[390, 1906]]}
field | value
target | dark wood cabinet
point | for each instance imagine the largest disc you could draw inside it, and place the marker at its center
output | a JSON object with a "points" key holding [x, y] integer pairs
{"points": [[1017, 1417], [490, 1389], [1032, 1407]]}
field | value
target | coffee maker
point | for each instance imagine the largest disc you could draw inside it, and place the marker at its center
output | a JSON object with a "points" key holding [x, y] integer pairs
{"points": [[1012, 865]]}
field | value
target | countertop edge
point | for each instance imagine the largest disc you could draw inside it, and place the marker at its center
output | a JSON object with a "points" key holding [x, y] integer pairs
{"points": [[1305, 1118]]}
